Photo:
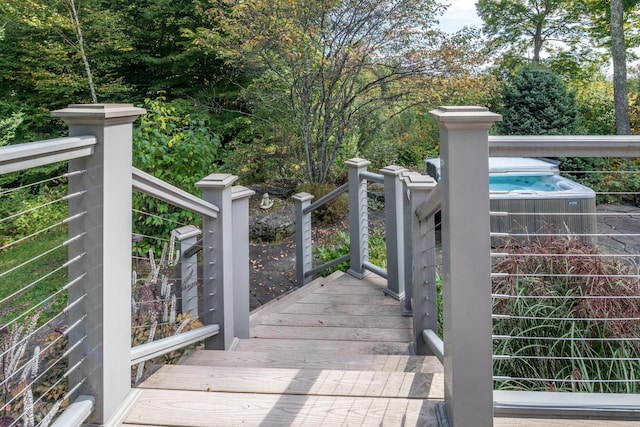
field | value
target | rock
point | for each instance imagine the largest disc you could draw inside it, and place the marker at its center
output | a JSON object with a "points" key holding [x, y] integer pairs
{"points": [[273, 224]]}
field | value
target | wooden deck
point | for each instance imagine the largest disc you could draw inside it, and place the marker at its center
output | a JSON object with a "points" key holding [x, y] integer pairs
{"points": [[334, 353]]}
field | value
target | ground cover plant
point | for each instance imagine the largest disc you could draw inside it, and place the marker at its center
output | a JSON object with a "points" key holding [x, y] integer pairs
{"points": [[560, 290]]}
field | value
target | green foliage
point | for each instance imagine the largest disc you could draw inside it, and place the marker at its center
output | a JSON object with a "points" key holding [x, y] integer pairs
{"points": [[338, 245], [536, 102], [16, 278], [548, 280], [178, 148], [8, 127], [525, 27], [331, 212], [39, 213], [41, 64], [323, 66], [594, 98]]}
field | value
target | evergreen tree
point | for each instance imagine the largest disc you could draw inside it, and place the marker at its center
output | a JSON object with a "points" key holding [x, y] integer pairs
{"points": [[537, 102]]}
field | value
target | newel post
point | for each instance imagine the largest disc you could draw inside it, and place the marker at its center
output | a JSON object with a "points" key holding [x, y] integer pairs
{"points": [[240, 201], [358, 217], [100, 301], [394, 225], [464, 151], [420, 246], [217, 260], [304, 249]]}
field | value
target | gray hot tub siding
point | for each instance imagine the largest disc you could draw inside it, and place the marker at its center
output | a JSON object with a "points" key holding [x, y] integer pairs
{"points": [[569, 210]]}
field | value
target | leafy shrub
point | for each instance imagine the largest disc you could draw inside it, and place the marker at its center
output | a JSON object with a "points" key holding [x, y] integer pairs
{"points": [[178, 148], [332, 211], [615, 180], [549, 318]]}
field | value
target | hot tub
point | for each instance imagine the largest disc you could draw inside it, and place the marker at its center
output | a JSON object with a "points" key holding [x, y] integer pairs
{"points": [[528, 196]]}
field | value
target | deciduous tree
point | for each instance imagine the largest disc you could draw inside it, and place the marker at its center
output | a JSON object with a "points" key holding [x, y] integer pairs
{"points": [[523, 26], [329, 63]]}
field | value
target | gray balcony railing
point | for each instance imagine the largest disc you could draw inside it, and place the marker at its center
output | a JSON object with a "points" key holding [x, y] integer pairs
{"points": [[358, 257], [99, 354], [468, 316]]}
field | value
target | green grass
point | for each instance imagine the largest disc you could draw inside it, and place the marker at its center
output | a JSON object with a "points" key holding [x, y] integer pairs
{"points": [[22, 276]]}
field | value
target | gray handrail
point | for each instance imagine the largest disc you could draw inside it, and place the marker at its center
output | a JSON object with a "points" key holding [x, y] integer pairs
{"points": [[154, 187], [143, 352], [431, 205], [39, 153], [565, 146], [326, 198]]}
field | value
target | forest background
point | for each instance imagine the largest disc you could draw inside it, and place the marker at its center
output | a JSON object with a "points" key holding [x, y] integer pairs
{"points": [[282, 91]]}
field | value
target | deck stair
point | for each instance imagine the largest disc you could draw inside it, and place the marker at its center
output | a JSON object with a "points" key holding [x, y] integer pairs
{"points": [[332, 353]]}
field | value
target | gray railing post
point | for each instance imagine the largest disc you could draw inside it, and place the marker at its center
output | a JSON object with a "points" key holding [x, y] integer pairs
{"points": [[394, 226], [187, 236], [421, 248], [217, 260], [358, 217], [304, 249], [100, 301], [240, 200], [464, 150]]}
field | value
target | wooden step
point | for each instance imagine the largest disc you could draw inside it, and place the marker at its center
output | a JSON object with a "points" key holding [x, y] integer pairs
{"points": [[206, 409], [311, 382], [315, 360], [325, 346]]}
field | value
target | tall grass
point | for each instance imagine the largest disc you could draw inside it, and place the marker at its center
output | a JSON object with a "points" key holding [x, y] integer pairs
{"points": [[560, 290]]}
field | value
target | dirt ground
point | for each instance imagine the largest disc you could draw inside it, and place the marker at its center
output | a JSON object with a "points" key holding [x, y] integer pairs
{"points": [[273, 265], [272, 271]]}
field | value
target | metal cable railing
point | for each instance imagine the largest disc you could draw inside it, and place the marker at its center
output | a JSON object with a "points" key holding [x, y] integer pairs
{"points": [[566, 295], [34, 291]]}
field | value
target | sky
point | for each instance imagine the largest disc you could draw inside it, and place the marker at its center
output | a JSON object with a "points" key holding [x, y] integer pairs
{"points": [[461, 13]]}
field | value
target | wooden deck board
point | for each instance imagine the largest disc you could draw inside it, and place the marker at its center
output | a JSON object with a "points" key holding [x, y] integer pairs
{"points": [[317, 382], [325, 346], [204, 409], [332, 333], [336, 320], [343, 309], [315, 360], [353, 299]]}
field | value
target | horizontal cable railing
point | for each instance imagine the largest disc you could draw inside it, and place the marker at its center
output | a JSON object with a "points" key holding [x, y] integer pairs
{"points": [[35, 283], [374, 240], [166, 314], [566, 283]]}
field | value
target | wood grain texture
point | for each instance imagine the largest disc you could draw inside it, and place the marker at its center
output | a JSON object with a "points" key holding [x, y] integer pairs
{"points": [[336, 320], [326, 346], [330, 333], [312, 382], [315, 360], [206, 409], [358, 309]]}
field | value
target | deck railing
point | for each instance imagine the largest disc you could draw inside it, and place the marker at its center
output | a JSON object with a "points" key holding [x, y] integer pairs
{"points": [[98, 313], [468, 299], [358, 257]]}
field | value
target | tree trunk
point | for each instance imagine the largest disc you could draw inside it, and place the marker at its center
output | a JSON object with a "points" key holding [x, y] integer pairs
{"points": [[618, 53], [537, 43]]}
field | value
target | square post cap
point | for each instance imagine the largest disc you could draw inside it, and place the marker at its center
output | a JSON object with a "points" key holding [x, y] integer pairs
{"points": [[216, 181], [465, 117], [99, 114]]}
